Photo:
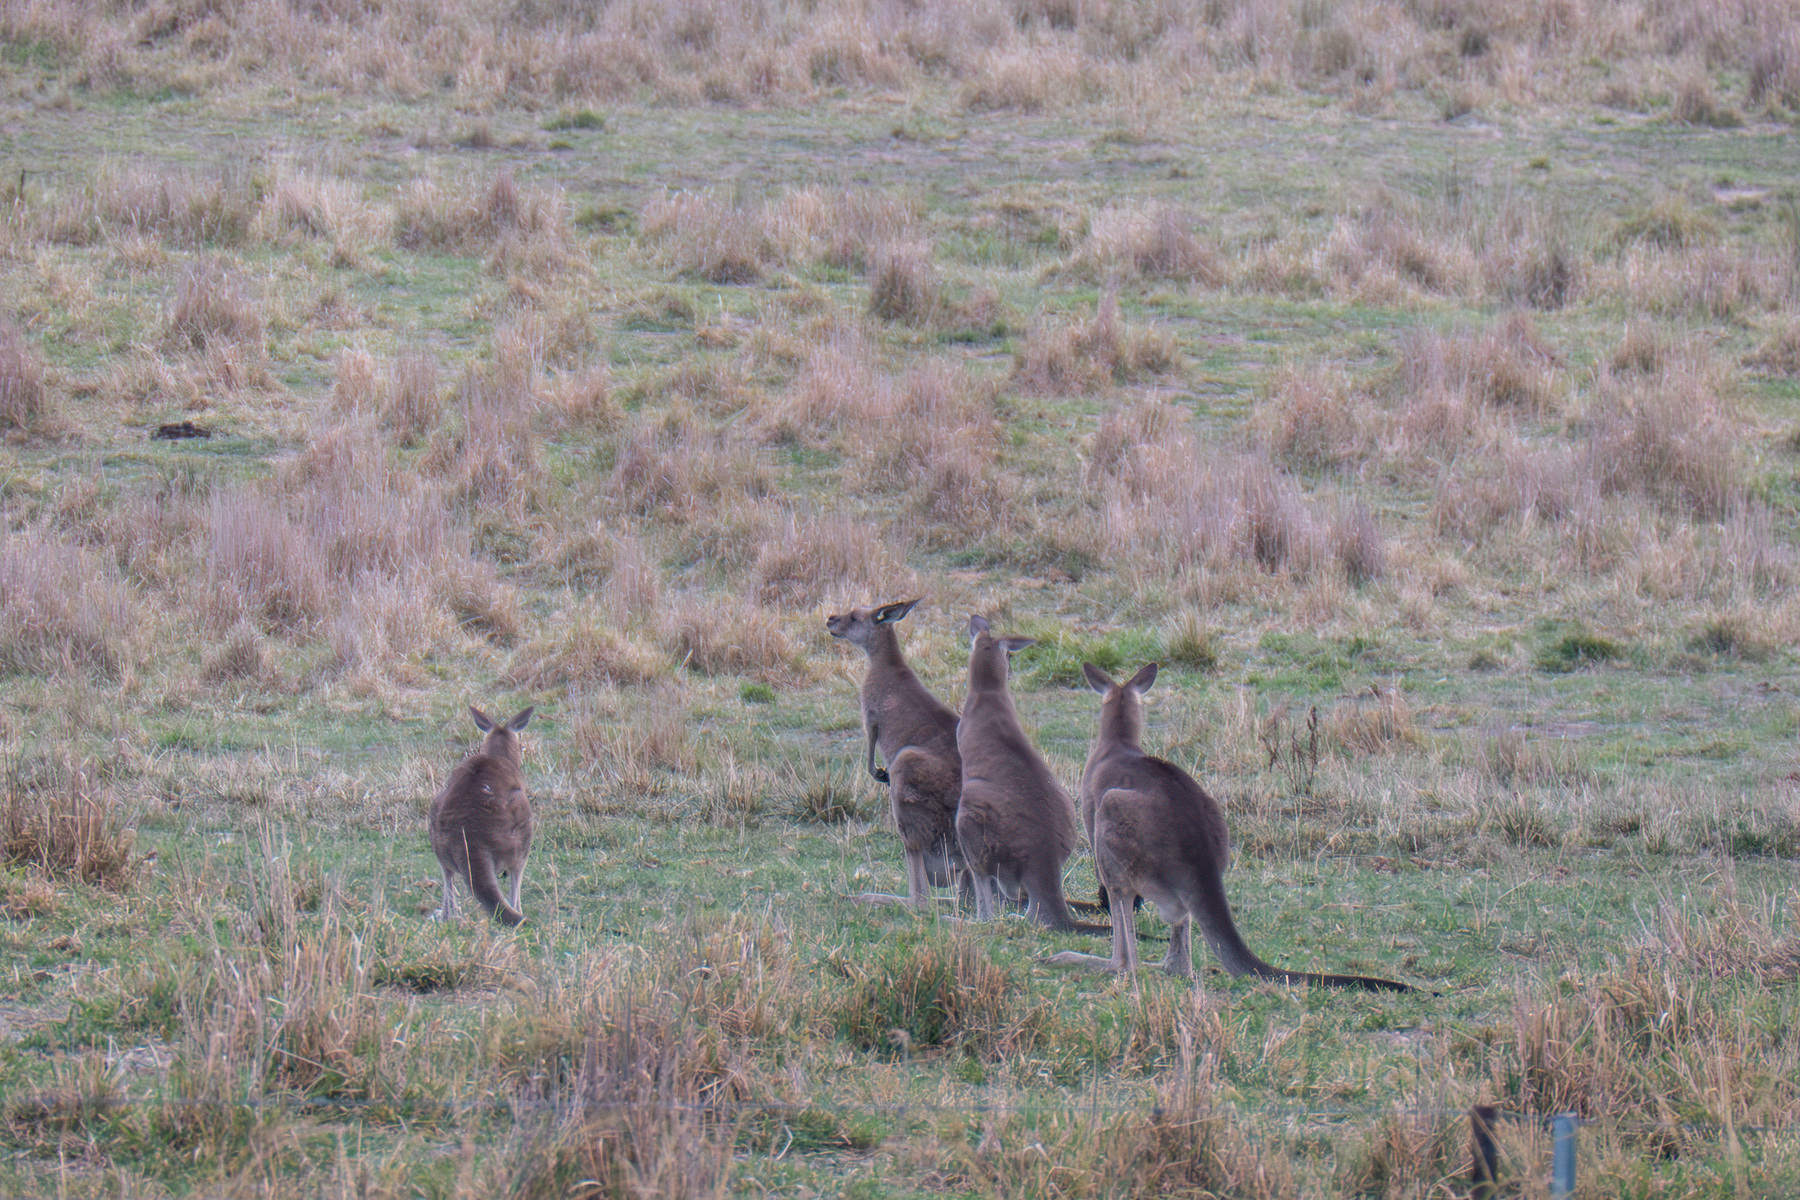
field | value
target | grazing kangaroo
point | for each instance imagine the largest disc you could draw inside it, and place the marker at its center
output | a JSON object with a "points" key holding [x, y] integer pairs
{"points": [[1015, 822], [915, 734], [1158, 835], [481, 821]]}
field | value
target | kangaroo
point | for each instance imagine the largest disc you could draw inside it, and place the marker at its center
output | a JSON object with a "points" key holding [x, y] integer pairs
{"points": [[1015, 822], [1158, 835], [915, 734], [481, 821]]}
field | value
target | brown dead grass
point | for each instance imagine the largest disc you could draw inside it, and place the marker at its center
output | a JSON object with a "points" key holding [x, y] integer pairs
{"points": [[214, 311], [632, 740], [524, 229], [672, 470], [904, 284], [1093, 355], [1779, 353], [586, 650], [24, 398], [731, 637], [1150, 241], [62, 821], [410, 400], [705, 236], [807, 559], [65, 610], [1316, 420], [492, 461], [1164, 497]]}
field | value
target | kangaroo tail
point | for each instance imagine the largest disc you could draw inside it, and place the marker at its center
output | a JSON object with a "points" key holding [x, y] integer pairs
{"points": [[484, 881], [1222, 935], [1366, 982]]}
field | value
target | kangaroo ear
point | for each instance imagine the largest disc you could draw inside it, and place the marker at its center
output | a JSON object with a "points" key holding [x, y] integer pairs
{"points": [[1097, 679], [977, 625], [519, 722], [1012, 645], [1140, 683], [889, 613], [483, 722]]}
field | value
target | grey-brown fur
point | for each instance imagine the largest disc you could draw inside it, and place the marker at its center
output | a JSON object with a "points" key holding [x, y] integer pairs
{"points": [[1157, 834], [1015, 822], [481, 821], [915, 735]]}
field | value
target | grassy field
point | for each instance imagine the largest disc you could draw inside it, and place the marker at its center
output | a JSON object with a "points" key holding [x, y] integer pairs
{"points": [[1418, 383]]}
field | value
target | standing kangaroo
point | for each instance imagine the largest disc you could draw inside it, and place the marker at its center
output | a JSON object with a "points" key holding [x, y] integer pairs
{"points": [[915, 733], [481, 821], [1158, 835], [1015, 821]]}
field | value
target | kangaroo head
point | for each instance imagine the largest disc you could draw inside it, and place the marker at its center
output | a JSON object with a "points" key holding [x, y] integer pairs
{"points": [[860, 626], [1121, 704], [502, 740], [990, 656]]}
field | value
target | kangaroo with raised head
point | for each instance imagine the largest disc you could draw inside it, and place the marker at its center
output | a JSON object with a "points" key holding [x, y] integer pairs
{"points": [[481, 820], [1158, 835], [1015, 822], [915, 735]]}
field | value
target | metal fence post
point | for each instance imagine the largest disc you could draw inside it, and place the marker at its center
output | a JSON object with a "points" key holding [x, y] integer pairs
{"points": [[1562, 1162]]}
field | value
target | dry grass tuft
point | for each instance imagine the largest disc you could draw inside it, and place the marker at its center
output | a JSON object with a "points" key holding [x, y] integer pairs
{"points": [[1677, 440], [173, 207], [492, 461], [1779, 353], [262, 567], [411, 403], [905, 285], [1149, 241], [1029, 80], [1509, 366], [918, 995], [1165, 498], [213, 311], [731, 637], [808, 559], [1670, 222], [1389, 250], [1372, 722], [631, 741], [68, 826], [1314, 420], [1512, 759], [840, 229], [24, 400], [64, 610], [526, 229], [674, 472], [1084, 356], [586, 650], [244, 655], [707, 237]]}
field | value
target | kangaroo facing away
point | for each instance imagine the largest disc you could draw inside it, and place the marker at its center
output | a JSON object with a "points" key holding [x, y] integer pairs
{"points": [[1158, 835], [915, 734], [1015, 822], [481, 821]]}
